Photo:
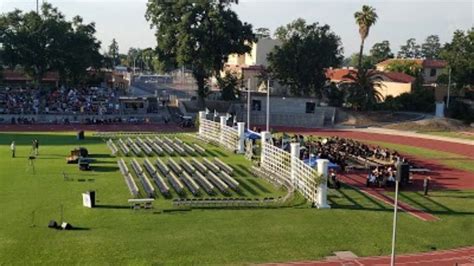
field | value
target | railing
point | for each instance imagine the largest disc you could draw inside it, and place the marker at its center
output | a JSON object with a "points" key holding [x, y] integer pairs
{"points": [[277, 162], [229, 137], [209, 130], [305, 180]]}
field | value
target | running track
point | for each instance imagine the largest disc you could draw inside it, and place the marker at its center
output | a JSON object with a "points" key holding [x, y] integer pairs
{"points": [[461, 256], [431, 144]]}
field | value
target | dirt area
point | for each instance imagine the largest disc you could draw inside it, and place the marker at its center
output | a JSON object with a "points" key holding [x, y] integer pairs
{"points": [[433, 125], [379, 118]]}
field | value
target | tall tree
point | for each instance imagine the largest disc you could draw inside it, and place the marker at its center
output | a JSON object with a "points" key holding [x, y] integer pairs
{"points": [[408, 67], [381, 51], [367, 61], [364, 90], [199, 35], [114, 52], [40, 42], [431, 48], [460, 56], [306, 51], [365, 18], [410, 50]]}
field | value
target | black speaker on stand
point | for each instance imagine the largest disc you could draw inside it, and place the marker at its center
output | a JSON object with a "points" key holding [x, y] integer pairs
{"points": [[403, 173]]}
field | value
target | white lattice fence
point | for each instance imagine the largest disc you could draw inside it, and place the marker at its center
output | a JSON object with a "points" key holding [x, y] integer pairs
{"points": [[305, 179], [209, 130], [229, 137], [277, 162]]}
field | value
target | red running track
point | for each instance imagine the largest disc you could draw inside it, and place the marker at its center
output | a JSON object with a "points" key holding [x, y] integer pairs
{"points": [[437, 145], [461, 256]]}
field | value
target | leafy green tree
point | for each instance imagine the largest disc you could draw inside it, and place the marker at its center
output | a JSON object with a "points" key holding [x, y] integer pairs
{"points": [[460, 56], [367, 61], [410, 50], [363, 92], [45, 41], [381, 51], [335, 94], [409, 67], [114, 53], [306, 51], [431, 48], [199, 35], [365, 18], [229, 86]]}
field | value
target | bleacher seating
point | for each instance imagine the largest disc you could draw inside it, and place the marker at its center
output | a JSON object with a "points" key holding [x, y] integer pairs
{"points": [[157, 149], [167, 148], [132, 186], [158, 141], [178, 141], [223, 166], [189, 181], [178, 149]]}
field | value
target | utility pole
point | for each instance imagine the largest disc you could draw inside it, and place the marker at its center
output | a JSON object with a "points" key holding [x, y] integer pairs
{"points": [[37, 6], [268, 106], [394, 229], [248, 104], [449, 88]]}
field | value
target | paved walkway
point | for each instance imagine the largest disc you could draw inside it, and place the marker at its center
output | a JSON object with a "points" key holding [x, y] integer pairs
{"points": [[451, 257]]}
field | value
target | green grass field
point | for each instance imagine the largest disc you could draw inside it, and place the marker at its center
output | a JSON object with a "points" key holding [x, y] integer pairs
{"points": [[115, 234]]}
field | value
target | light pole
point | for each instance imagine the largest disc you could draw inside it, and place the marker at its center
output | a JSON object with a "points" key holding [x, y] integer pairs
{"points": [[268, 106], [248, 104], [394, 229], [449, 88]]}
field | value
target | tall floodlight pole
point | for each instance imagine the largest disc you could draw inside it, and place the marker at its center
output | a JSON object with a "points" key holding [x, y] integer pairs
{"points": [[268, 105], [248, 104], [449, 88], [37, 6], [394, 230]]}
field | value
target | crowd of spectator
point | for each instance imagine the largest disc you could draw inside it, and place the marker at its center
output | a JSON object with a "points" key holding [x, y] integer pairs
{"points": [[86, 100]]}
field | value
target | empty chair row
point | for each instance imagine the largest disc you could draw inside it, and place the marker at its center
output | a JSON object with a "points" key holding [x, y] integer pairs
{"points": [[134, 146], [159, 181], [190, 183], [149, 189], [124, 147], [132, 186], [112, 147], [147, 149], [223, 166]]}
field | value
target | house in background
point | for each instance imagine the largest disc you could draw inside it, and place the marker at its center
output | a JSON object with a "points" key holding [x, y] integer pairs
{"points": [[391, 83], [19, 78], [431, 68]]}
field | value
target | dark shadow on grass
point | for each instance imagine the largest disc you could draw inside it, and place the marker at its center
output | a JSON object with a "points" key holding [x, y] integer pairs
{"points": [[245, 169], [100, 155], [97, 168], [355, 203], [220, 153], [238, 172], [374, 201], [105, 206], [248, 188], [76, 228], [259, 186], [210, 153]]}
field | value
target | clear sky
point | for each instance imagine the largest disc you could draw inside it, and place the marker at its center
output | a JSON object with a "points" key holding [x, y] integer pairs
{"points": [[398, 20]]}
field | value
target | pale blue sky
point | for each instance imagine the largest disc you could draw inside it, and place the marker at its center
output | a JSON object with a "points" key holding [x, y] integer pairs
{"points": [[398, 20]]}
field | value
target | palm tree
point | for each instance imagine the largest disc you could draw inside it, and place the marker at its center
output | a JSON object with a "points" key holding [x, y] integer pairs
{"points": [[363, 91], [365, 19]]}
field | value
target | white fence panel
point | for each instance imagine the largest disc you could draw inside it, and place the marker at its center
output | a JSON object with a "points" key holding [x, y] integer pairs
{"points": [[229, 137], [278, 163], [209, 130], [305, 180]]}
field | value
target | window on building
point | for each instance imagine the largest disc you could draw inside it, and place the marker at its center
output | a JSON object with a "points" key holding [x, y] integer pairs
{"points": [[433, 72], [256, 105], [310, 107]]}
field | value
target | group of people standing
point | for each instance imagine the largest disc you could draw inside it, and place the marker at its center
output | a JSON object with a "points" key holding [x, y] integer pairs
{"points": [[34, 148]]}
